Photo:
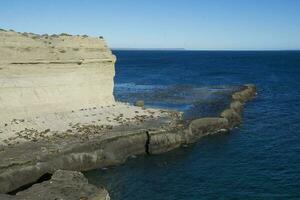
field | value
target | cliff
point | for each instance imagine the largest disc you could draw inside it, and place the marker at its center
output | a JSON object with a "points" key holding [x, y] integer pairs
{"points": [[58, 73]]}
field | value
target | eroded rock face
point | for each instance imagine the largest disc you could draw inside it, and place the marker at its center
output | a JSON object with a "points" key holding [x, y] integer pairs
{"points": [[161, 141], [204, 126], [47, 74], [69, 185], [237, 106], [245, 94], [233, 118], [239, 98]]}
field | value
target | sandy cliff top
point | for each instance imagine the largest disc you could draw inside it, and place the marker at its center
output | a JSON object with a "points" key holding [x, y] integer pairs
{"points": [[28, 48]]}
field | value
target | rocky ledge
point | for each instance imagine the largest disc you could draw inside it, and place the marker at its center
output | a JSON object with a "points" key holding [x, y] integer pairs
{"points": [[24, 164], [67, 185]]}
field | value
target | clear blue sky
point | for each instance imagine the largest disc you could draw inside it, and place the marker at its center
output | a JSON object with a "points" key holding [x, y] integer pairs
{"points": [[191, 24]]}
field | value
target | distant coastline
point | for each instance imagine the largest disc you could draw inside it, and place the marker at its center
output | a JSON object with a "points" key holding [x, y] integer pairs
{"points": [[149, 49], [217, 50]]}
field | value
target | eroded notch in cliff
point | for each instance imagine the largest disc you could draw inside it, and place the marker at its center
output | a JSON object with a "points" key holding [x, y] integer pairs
{"points": [[147, 144], [45, 177]]}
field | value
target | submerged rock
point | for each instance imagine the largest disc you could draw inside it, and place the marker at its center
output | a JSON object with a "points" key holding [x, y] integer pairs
{"points": [[233, 113], [139, 103]]}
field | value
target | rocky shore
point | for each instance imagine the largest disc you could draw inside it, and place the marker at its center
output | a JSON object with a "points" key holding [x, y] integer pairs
{"points": [[59, 117], [24, 164]]}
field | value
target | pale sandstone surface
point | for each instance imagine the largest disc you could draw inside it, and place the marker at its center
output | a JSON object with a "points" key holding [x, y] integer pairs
{"points": [[53, 74]]}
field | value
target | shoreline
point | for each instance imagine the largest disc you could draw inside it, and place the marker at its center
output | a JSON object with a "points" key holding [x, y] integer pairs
{"points": [[24, 164]]}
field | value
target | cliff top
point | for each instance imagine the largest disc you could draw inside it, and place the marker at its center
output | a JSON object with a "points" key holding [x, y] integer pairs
{"points": [[30, 48]]}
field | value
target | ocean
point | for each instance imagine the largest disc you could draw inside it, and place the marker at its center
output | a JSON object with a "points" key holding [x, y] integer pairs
{"points": [[258, 160]]}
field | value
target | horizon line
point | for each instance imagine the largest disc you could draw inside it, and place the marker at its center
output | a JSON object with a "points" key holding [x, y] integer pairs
{"points": [[184, 49]]}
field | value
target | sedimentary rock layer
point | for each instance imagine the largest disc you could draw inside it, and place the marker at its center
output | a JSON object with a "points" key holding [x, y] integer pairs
{"points": [[47, 74]]}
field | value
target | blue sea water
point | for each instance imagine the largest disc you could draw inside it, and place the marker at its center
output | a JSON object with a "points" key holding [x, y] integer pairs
{"points": [[258, 160]]}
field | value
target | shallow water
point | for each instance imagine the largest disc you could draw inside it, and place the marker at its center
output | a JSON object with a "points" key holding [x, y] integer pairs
{"points": [[259, 160]]}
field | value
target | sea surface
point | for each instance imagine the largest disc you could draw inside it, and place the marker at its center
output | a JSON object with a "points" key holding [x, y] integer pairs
{"points": [[258, 160]]}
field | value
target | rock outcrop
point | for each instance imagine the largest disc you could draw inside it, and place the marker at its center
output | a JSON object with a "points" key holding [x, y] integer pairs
{"points": [[139, 103], [58, 73], [67, 185], [203, 126], [185, 132]]}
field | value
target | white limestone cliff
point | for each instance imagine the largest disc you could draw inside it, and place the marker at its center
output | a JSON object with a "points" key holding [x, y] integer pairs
{"points": [[46, 74]]}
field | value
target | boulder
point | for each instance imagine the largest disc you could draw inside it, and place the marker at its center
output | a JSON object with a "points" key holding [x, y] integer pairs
{"points": [[204, 126], [251, 87], [164, 141], [234, 119], [245, 94], [139, 103], [237, 106]]}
